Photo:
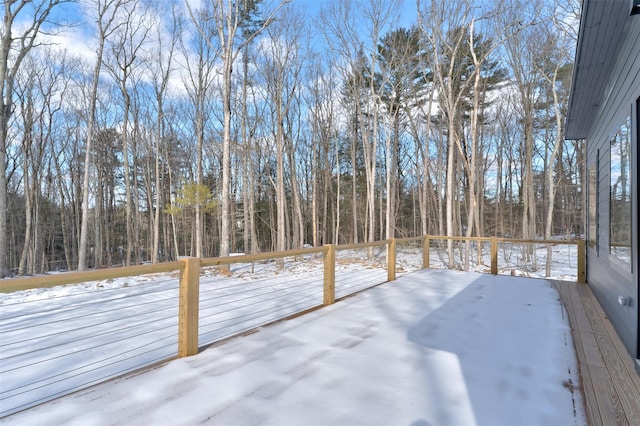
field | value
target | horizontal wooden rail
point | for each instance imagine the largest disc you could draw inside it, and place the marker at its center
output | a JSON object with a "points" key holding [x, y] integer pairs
{"points": [[502, 240], [362, 245], [409, 240], [457, 238], [533, 241], [190, 274], [494, 241], [247, 258], [52, 280]]}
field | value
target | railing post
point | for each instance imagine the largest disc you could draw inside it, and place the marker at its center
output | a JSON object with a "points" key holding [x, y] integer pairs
{"points": [[188, 311], [426, 247], [582, 262], [494, 255], [330, 275], [391, 260]]}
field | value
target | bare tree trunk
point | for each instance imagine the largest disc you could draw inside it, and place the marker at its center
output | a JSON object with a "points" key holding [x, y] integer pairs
{"points": [[441, 181], [246, 154], [297, 219], [370, 157], [199, 228], [326, 193], [450, 197], [551, 188], [84, 226], [24, 42], [391, 164], [281, 197], [252, 205], [228, 17], [158, 198], [425, 166], [125, 49], [354, 186], [336, 237], [471, 164], [106, 10], [446, 47], [314, 187], [22, 268], [66, 241], [161, 73], [127, 178]]}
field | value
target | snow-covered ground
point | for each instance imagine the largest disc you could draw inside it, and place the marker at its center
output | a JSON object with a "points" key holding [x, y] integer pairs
{"points": [[513, 259], [59, 340], [433, 347]]}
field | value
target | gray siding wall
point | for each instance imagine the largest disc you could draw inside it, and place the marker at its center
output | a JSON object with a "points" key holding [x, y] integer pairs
{"points": [[608, 277]]}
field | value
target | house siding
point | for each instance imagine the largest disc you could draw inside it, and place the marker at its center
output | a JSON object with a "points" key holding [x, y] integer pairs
{"points": [[607, 276]]}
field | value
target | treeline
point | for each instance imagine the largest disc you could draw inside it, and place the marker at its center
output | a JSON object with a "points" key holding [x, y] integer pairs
{"points": [[247, 126]]}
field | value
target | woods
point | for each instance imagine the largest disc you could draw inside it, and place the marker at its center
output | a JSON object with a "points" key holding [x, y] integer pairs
{"points": [[136, 131]]}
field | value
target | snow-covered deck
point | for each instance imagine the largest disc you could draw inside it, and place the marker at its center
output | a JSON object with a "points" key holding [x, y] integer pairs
{"points": [[610, 382], [433, 347]]}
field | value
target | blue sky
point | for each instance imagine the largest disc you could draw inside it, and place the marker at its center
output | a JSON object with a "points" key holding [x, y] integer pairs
{"points": [[408, 13], [71, 13]]}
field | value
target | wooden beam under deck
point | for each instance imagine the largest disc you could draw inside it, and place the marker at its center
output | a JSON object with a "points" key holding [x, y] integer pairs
{"points": [[610, 383]]}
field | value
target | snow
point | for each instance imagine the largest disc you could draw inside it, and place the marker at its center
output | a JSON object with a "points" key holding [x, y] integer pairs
{"points": [[433, 347], [59, 340], [513, 258]]}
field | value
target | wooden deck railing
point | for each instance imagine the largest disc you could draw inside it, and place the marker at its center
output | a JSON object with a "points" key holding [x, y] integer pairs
{"points": [[190, 269], [494, 241]]}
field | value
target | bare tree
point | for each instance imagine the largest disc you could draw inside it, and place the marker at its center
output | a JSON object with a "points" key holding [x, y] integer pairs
{"points": [[41, 92], [124, 60], [106, 12], [481, 49], [444, 25], [200, 62], [228, 17], [402, 81], [342, 22], [389, 131], [252, 112], [322, 100], [282, 67], [521, 60], [554, 59], [161, 66], [13, 50]]}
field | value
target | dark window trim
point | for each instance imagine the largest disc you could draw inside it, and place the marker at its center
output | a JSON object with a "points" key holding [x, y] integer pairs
{"points": [[598, 202], [623, 137]]}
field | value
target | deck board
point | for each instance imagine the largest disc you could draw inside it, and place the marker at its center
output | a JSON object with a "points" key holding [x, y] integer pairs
{"points": [[609, 382], [586, 385], [620, 375]]}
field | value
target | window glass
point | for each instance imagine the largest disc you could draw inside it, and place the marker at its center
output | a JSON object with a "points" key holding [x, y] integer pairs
{"points": [[592, 230], [620, 205]]}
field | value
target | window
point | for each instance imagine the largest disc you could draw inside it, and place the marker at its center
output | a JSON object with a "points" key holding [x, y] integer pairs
{"points": [[620, 202], [592, 230]]}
